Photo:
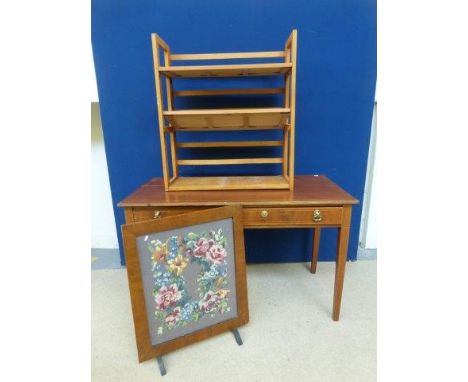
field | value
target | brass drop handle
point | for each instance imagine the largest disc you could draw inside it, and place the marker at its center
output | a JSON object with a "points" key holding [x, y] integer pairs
{"points": [[317, 216], [157, 214], [264, 214]]}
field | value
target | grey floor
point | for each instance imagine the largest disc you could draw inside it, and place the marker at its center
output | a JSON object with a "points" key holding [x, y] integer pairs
{"points": [[290, 337]]}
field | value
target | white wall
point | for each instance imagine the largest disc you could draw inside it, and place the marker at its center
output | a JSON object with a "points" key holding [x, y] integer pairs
{"points": [[92, 78], [368, 232], [103, 231], [371, 234]]}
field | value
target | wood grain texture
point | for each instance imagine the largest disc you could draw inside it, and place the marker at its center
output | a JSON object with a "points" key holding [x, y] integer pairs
{"points": [[169, 93], [227, 119], [266, 110], [290, 217], [233, 161], [173, 145], [149, 213], [286, 151], [128, 213], [225, 183], [187, 145], [217, 92], [224, 56], [130, 233], [157, 42], [341, 256], [292, 45], [160, 42], [309, 191], [224, 124], [237, 70], [315, 250]]}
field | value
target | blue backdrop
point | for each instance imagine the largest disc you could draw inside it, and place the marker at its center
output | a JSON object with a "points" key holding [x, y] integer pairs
{"points": [[335, 90]]}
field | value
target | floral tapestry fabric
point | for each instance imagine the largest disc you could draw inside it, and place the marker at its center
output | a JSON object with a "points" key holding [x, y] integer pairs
{"points": [[175, 305]]}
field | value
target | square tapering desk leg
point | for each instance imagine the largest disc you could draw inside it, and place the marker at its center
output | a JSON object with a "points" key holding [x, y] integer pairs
{"points": [[341, 257], [315, 250]]}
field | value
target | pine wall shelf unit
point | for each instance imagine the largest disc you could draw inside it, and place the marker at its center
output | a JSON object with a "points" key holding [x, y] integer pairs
{"points": [[172, 120]]}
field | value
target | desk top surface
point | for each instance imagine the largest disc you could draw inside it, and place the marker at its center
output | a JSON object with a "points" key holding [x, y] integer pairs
{"points": [[308, 190]]}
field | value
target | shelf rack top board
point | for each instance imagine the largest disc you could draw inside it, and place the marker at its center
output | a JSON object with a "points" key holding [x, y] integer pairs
{"points": [[172, 120]]}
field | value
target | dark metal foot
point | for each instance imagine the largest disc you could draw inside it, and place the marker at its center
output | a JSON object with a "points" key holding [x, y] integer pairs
{"points": [[237, 336], [162, 368]]}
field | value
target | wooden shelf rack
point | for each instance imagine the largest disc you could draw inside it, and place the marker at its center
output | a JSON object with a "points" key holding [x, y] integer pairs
{"points": [[172, 121]]}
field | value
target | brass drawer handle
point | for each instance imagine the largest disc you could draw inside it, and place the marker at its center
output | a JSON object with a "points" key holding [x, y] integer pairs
{"points": [[317, 216], [157, 214], [264, 214]]}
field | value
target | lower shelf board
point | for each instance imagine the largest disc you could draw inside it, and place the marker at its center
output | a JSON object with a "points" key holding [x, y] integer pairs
{"points": [[273, 182]]}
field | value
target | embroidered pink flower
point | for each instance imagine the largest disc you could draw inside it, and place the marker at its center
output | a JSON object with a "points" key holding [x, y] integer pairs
{"points": [[208, 302], [167, 296], [172, 318], [216, 254], [202, 247]]}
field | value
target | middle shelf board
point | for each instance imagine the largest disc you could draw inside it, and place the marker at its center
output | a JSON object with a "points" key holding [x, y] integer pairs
{"points": [[228, 119], [271, 69]]}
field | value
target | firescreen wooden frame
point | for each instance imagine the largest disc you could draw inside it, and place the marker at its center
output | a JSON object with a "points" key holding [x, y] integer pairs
{"points": [[131, 232]]}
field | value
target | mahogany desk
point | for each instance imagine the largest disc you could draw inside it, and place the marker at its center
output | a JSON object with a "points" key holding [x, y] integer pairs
{"points": [[315, 202]]}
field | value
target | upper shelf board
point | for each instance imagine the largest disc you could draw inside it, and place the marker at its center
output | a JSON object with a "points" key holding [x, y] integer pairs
{"points": [[226, 70]]}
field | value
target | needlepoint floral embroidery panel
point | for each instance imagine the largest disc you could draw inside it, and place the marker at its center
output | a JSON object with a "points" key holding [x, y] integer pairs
{"points": [[189, 278]]}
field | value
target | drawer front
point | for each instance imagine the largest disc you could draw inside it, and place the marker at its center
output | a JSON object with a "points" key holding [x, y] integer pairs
{"points": [[292, 216], [149, 213]]}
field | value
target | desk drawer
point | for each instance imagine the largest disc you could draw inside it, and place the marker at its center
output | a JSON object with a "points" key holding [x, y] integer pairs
{"points": [[149, 213], [292, 216]]}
